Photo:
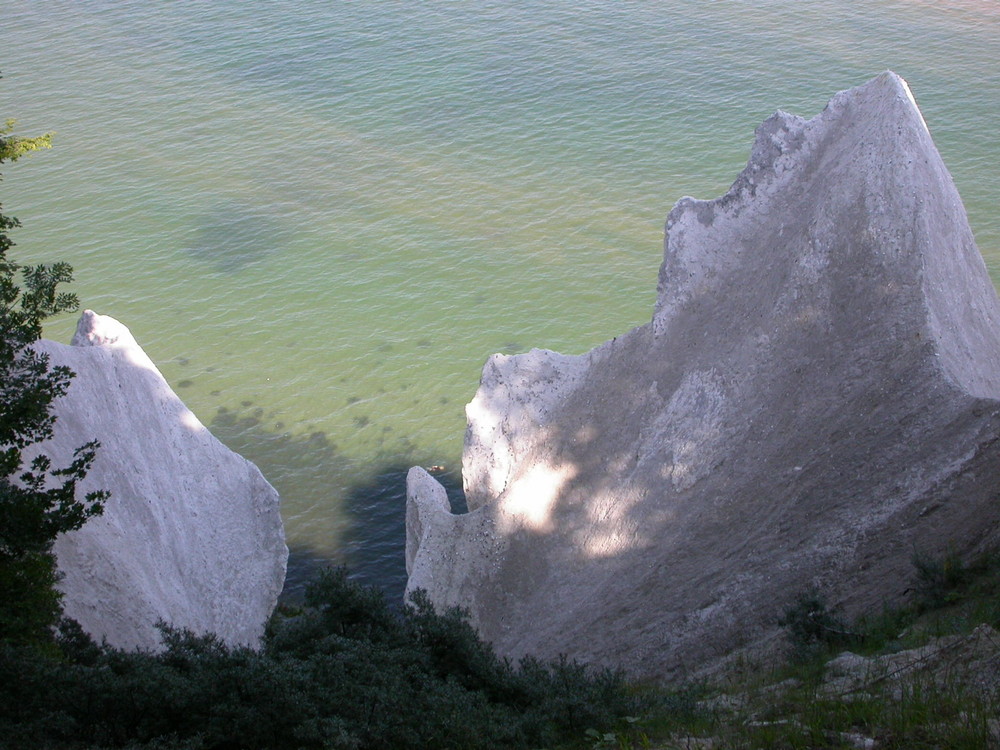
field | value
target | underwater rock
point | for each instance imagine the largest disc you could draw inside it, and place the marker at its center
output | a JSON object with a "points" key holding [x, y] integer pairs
{"points": [[191, 535], [815, 398]]}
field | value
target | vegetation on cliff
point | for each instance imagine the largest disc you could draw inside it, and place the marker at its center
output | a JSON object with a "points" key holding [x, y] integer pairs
{"points": [[923, 675]]}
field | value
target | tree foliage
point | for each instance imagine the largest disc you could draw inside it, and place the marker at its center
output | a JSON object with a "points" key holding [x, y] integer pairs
{"points": [[344, 671], [38, 502]]}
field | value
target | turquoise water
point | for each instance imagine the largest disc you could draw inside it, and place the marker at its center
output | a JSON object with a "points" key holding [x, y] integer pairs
{"points": [[320, 218]]}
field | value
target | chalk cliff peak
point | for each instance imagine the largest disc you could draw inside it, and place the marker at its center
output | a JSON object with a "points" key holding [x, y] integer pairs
{"points": [[191, 535], [815, 397]]}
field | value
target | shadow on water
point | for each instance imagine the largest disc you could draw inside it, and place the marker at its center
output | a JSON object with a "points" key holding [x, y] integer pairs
{"points": [[375, 539], [233, 234], [306, 470], [304, 564], [337, 510]]}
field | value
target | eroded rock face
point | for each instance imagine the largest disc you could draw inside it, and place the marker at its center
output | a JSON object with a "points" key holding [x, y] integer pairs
{"points": [[191, 535], [814, 398]]}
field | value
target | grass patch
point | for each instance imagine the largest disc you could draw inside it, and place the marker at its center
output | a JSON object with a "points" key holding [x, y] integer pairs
{"points": [[898, 696]]}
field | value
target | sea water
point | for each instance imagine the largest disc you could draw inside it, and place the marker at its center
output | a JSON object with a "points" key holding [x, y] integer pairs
{"points": [[320, 218]]}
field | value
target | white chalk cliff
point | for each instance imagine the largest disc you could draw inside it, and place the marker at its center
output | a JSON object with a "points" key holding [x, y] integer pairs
{"points": [[191, 535], [815, 398]]}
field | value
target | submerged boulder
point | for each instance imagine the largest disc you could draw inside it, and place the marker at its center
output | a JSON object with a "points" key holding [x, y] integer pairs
{"points": [[815, 398], [191, 535]]}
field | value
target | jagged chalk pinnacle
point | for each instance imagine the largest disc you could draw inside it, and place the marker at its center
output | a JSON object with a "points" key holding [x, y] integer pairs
{"points": [[815, 396], [191, 535]]}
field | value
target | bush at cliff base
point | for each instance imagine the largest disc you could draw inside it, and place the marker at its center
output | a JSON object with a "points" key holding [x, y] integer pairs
{"points": [[344, 671]]}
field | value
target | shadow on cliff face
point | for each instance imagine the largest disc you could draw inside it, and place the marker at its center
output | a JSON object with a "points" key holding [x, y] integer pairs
{"points": [[338, 510]]}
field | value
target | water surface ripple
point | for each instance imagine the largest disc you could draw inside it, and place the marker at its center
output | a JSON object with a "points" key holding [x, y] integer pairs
{"points": [[320, 218]]}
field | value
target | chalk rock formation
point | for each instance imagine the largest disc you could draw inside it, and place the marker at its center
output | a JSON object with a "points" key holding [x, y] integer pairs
{"points": [[815, 398], [191, 535]]}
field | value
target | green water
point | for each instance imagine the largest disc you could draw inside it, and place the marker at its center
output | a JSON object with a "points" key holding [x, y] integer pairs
{"points": [[320, 218]]}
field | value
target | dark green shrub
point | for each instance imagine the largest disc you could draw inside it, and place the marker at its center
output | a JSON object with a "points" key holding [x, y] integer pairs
{"points": [[37, 501], [939, 580], [813, 629], [345, 671], [455, 651]]}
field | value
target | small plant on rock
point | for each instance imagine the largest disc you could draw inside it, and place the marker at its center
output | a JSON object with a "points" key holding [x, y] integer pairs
{"points": [[813, 629], [940, 580]]}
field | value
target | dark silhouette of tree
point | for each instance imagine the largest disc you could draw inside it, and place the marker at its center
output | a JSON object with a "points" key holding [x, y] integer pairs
{"points": [[37, 502]]}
